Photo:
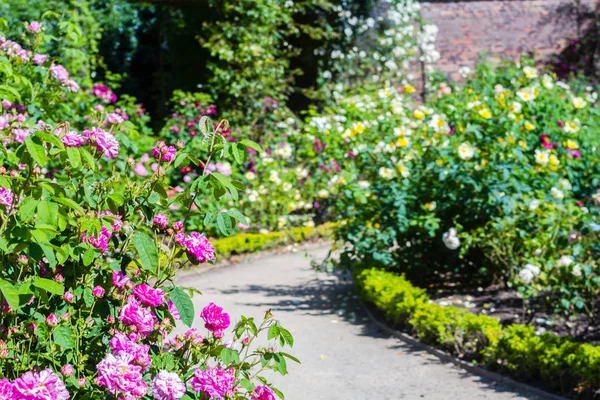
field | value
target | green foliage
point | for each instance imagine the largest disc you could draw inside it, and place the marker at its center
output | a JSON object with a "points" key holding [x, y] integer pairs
{"points": [[255, 242]]}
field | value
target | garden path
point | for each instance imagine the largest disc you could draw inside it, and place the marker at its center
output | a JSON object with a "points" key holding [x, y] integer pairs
{"points": [[344, 356]]}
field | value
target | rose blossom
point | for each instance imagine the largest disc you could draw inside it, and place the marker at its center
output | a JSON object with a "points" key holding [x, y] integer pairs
{"points": [[52, 319], [121, 344], [40, 59], [263, 393], [68, 296], [104, 141], [120, 280], [215, 319], [104, 93], [180, 238], [45, 385], [34, 26], [6, 389], [59, 72], [198, 245], [6, 198], [214, 383], [73, 139], [98, 291], [167, 386], [67, 370], [101, 242], [149, 296], [173, 311], [178, 225], [120, 375], [160, 220], [133, 314], [162, 152]]}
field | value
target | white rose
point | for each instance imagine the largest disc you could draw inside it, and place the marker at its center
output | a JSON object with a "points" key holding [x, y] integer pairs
{"points": [[564, 261], [450, 239]]}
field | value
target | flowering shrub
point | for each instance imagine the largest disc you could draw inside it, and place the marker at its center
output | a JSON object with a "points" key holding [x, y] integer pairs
{"points": [[91, 249], [495, 180], [277, 171]]}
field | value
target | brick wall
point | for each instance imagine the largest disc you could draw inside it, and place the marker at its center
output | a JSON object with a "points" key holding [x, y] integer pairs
{"points": [[503, 28]]}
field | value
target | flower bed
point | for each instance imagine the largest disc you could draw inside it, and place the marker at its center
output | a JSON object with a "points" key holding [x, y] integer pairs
{"points": [[558, 363]]}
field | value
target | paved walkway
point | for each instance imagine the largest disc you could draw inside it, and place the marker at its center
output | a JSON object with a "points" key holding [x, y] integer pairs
{"points": [[343, 355]]}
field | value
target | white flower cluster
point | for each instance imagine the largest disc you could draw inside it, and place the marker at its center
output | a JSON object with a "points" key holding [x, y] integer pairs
{"points": [[382, 46]]}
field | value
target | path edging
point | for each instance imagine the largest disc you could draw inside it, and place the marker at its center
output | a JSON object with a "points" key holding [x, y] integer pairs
{"points": [[459, 363]]}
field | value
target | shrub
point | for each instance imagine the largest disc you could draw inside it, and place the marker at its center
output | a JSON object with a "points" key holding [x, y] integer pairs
{"points": [[495, 181], [90, 252]]}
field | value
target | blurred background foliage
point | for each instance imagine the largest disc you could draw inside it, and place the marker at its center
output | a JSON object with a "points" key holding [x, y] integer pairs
{"points": [[237, 51]]}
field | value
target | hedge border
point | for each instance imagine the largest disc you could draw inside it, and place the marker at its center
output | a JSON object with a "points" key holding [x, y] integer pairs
{"points": [[246, 243], [553, 362], [458, 362]]}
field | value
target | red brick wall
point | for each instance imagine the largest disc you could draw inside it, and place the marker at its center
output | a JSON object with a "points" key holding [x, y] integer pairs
{"points": [[503, 28]]}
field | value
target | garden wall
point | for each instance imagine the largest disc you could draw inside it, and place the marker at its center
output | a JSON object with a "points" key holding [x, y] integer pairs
{"points": [[503, 28]]}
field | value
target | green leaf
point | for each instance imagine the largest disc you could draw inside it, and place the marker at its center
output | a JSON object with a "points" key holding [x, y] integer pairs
{"points": [[224, 224], [289, 339], [208, 218], [49, 253], [252, 145], [48, 212], [280, 363], [146, 249], [89, 158], [10, 293], [10, 92], [230, 355], [238, 215], [46, 137], [74, 156], [63, 337], [247, 384], [184, 305], [69, 203], [291, 357], [226, 182], [273, 332], [88, 297], [27, 209], [49, 286], [88, 257], [179, 159], [36, 149]]}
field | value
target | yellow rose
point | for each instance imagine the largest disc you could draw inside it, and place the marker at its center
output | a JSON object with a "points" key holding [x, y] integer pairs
{"points": [[571, 144], [403, 142], [485, 113], [529, 126]]}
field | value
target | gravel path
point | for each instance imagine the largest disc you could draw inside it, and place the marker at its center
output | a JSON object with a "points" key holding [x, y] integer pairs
{"points": [[343, 355]]}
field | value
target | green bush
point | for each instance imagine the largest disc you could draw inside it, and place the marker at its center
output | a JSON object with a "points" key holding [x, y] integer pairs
{"points": [[559, 363], [254, 242]]}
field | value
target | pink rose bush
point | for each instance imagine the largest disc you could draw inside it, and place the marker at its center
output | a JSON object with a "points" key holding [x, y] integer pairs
{"points": [[91, 249]]}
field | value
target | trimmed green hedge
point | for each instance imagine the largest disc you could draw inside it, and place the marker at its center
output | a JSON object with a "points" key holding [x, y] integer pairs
{"points": [[254, 242], [558, 363]]}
